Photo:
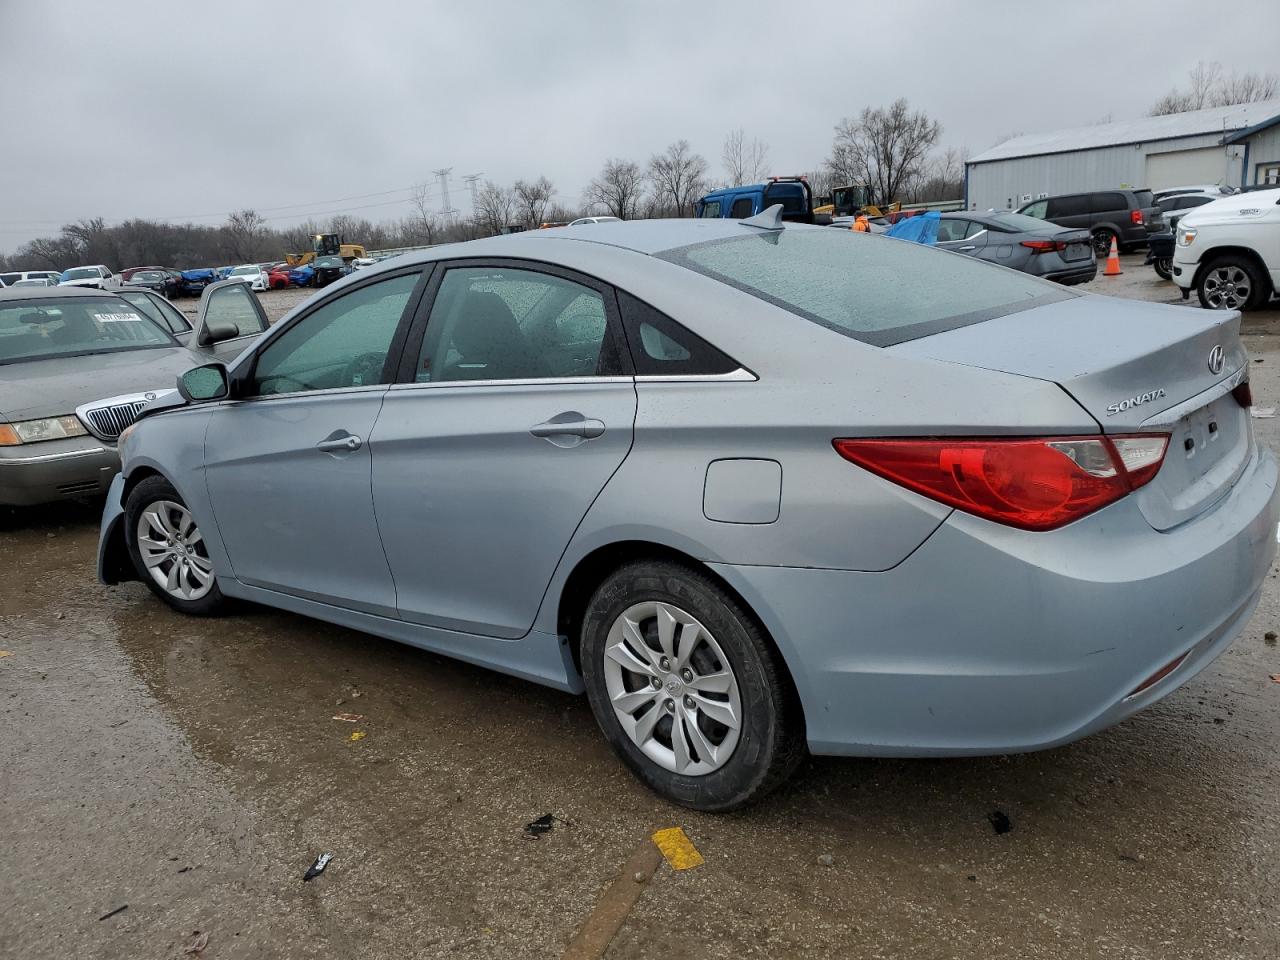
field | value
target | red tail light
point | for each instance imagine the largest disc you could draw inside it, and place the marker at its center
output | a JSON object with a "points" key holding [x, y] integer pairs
{"points": [[1032, 483], [1044, 246], [1136, 216], [1243, 394]]}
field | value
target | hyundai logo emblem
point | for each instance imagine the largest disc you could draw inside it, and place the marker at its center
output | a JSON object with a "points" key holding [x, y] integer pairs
{"points": [[1216, 359]]}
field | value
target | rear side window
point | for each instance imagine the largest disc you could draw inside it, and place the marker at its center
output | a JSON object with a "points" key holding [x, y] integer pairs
{"points": [[741, 208], [1074, 206], [1038, 210], [662, 347], [9, 279], [1110, 202], [1143, 197], [878, 290]]}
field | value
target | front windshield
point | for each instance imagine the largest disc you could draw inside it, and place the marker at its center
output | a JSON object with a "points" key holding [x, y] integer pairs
{"points": [[245, 271], [72, 326], [80, 273], [151, 275]]}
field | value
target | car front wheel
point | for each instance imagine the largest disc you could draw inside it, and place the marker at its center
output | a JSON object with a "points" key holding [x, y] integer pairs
{"points": [[1231, 283], [687, 688], [168, 550]]}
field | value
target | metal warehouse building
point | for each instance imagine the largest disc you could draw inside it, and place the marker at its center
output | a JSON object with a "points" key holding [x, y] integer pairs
{"points": [[1235, 145]]}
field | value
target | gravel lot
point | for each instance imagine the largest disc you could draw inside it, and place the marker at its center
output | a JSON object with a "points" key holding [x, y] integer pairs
{"points": [[191, 770]]}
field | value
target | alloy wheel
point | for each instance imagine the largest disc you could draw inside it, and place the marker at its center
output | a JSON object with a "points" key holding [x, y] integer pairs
{"points": [[1227, 288], [173, 550], [672, 688]]}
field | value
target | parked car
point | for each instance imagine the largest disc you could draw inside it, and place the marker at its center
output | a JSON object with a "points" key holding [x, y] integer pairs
{"points": [[278, 276], [33, 282], [583, 222], [1023, 243], [329, 269], [16, 276], [227, 318], [1127, 216], [159, 280], [98, 277], [748, 200], [1228, 251], [1174, 205], [253, 274], [303, 276], [743, 485], [127, 275], [194, 281], [1160, 254], [1217, 189]]}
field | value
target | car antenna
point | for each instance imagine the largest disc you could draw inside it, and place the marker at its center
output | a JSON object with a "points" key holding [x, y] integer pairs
{"points": [[767, 219]]}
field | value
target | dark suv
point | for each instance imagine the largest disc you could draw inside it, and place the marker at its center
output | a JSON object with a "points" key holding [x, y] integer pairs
{"points": [[1130, 216]]}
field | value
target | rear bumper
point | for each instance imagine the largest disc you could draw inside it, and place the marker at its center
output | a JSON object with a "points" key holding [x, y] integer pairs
{"points": [[56, 470], [989, 639], [1073, 275]]}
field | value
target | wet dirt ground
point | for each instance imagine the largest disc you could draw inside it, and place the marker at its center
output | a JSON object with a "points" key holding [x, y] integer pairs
{"points": [[192, 770]]}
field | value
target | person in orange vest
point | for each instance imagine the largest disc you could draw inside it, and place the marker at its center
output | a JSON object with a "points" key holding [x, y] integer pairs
{"points": [[860, 224]]}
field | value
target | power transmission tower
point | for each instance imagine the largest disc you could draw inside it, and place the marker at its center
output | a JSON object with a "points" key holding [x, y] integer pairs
{"points": [[445, 208], [472, 179]]}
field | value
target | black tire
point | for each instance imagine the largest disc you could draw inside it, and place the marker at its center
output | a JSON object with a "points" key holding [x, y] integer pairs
{"points": [[1102, 237], [150, 491], [1232, 266], [771, 739], [1163, 267]]}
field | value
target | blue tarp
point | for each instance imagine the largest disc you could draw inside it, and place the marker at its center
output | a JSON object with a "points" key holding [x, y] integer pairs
{"points": [[919, 229]]}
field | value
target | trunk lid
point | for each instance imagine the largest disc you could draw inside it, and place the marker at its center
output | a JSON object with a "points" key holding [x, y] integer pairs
{"points": [[1079, 244], [1135, 367]]}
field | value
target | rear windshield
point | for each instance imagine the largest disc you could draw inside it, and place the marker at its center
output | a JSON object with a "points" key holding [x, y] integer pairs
{"points": [[1024, 224], [67, 326], [879, 290]]}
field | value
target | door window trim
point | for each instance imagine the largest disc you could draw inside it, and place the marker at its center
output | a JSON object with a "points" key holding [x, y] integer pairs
{"points": [[406, 375], [249, 363]]}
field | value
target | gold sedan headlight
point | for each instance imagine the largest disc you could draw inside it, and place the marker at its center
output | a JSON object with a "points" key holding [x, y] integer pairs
{"points": [[34, 431]]}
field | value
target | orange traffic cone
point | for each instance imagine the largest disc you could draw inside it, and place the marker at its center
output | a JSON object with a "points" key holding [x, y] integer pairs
{"points": [[1113, 261]]}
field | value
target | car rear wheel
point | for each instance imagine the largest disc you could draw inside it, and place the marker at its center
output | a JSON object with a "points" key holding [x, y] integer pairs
{"points": [[687, 688], [1231, 283], [1102, 237], [168, 550], [1163, 267]]}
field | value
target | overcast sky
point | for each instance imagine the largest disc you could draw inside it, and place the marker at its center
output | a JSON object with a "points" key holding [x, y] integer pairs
{"points": [[152, 109]]}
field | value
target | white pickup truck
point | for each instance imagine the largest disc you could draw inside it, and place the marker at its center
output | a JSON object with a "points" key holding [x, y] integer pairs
{"points": [[99, 276], [1228, 251]]}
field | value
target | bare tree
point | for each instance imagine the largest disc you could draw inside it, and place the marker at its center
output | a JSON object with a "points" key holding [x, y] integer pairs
{"points": [[884, 147], [532, 198], [617, 188], [244, 231], [942, 179], [678, 177], [1208, 86], [495, 207], [744, 161], [425, 223]]}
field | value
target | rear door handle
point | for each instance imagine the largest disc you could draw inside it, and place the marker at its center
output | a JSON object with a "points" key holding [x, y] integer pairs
{"points": [[969, 247], [573, 425], [347, 442]]}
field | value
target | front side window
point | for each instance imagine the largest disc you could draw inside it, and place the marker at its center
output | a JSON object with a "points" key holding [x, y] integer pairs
{"points": [[37, 329], [710, 210], [861, 289], [505, 324], [343, 343]]}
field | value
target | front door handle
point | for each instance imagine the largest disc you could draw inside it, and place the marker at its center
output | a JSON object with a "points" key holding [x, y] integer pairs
{"points": [[569, 425], [347, 442]]}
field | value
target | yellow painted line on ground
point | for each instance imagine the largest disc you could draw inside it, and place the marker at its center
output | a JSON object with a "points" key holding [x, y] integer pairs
{"points": [[678, 849], [611, 910]]}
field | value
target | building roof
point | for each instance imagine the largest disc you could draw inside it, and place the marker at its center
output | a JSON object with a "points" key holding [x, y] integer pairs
{"points": [[1221, 120]]}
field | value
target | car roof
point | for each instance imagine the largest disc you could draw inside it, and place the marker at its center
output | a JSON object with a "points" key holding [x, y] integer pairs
{"points": [[47, 293]]}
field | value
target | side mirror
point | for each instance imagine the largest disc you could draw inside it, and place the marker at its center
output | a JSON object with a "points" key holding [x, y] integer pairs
{"points": [[218, 332], [200, 384]]}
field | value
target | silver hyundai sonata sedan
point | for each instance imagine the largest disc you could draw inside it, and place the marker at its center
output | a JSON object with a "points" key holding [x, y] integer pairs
{"points": [[753, 487]]}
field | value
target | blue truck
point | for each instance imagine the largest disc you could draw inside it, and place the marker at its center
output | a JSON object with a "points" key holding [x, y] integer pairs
{"points": [[738, 203]]}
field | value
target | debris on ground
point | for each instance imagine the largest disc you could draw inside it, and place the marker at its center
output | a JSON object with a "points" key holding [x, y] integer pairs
{"points": [[5, 653], [678, 849], [972, 877], [1000, 821], [826, 860], [184, 869], [198, 942], [349, 717], [317, 868], [1269, 636], [1262, 413], [108, 916], [1275, 678], [357, 735], [639, 877], [536, 828]]}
